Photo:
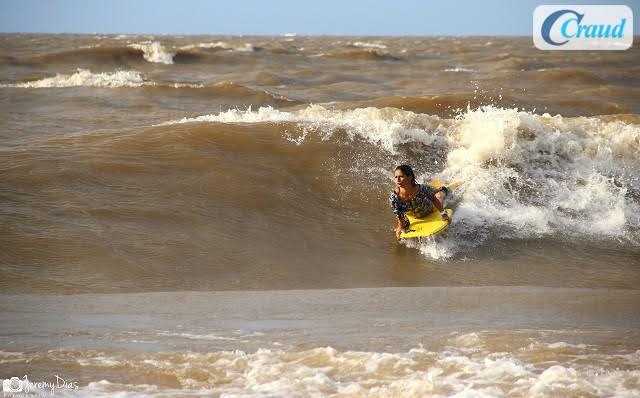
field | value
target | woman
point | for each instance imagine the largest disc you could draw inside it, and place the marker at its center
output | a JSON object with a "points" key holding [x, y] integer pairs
{"points": [[414, 198]]}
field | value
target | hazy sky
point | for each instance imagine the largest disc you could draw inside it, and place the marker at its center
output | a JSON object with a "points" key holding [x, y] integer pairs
{"points": [[264, 17]]}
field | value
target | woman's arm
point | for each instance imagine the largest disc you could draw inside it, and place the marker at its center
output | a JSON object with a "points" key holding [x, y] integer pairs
{"points": [[399, 229], [399, 212], [439, 203]]}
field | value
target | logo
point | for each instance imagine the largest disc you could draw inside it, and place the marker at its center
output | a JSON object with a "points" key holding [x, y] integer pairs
{"points": [[583, 27], [13, 384], [16, 387]]}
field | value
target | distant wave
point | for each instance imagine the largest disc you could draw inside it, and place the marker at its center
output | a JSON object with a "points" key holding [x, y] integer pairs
{"points": [[158, 53], [85, 78], [10, 60], [230, 91], [365, 44], [460, 69], [221, 45], [564, 75], [199, 52], [93, 55], [387, 127], [149, 51], [154, 52], [442, 105], [367, 53]]}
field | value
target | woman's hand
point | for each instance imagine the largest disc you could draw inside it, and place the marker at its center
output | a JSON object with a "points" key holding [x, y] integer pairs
{"points": [[445, 216], [399, 231]]}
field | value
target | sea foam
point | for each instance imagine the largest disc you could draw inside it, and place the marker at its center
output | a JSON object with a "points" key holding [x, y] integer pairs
{"points": [[245, 47], [154, 52], [470, 370], [84, 77]]}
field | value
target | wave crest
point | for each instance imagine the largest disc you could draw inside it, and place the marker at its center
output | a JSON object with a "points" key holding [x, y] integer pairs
{"points": [[85, 78], [363, 53], [154, 52]]}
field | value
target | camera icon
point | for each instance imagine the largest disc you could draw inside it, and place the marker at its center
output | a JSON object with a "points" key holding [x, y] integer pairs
{"points": [[13, 384]]}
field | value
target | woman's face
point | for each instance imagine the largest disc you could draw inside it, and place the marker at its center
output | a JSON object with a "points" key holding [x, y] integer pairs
{"points": [[402, 181]]}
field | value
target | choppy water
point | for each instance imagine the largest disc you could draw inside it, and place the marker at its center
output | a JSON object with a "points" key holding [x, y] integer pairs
{"points": [[138, 170]]}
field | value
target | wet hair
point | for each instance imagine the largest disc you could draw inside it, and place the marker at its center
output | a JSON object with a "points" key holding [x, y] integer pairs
{"points": [[407, 171]]}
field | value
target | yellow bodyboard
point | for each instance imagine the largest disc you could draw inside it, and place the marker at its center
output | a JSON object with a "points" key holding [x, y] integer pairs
{"points": [[431, 224]]}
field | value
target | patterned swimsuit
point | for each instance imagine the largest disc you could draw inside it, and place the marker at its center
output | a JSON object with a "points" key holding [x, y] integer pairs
{"points": [[420, 206]]}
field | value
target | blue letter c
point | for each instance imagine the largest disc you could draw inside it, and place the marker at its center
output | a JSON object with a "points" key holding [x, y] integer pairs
{"points": [[551, 19]]}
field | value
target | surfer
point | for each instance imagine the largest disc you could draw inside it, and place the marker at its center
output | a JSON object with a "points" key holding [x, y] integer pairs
{"points": [[418, 199]]}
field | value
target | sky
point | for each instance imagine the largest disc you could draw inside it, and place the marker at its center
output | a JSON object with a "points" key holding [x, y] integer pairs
{"points": [[277, 17]]}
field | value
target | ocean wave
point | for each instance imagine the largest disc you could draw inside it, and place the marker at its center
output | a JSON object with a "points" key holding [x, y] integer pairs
{"points": [[154, 52], [86, 78], [460, 69], [221, 45], [508, 61], [387, 127], [525, 176], [147, 51], [365, 44], [10, 60], [448, 105], [229, 89], [231, 93], [365, 53], [565, 75], [93, 55], [265, 78], [207, 45]]}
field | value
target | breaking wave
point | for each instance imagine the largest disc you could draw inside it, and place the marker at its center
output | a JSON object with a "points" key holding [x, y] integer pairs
{"points": [[525, 176], [86, 78]]}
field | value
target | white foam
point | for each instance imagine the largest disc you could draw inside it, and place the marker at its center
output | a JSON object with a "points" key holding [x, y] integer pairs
{"points": [[460, 69], [440, 248], [208, 45], [84, 77], [154, 52], [194, 336], [10, 354], [99, 360], [466, 368], [11, 357], [558, 376], [105, 388], [245, 47], [386, 127], [562, 344], [538, 175], [365, 44]]}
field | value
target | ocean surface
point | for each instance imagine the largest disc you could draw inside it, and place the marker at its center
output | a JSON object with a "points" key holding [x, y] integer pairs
{"points": [[187, 216]]}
